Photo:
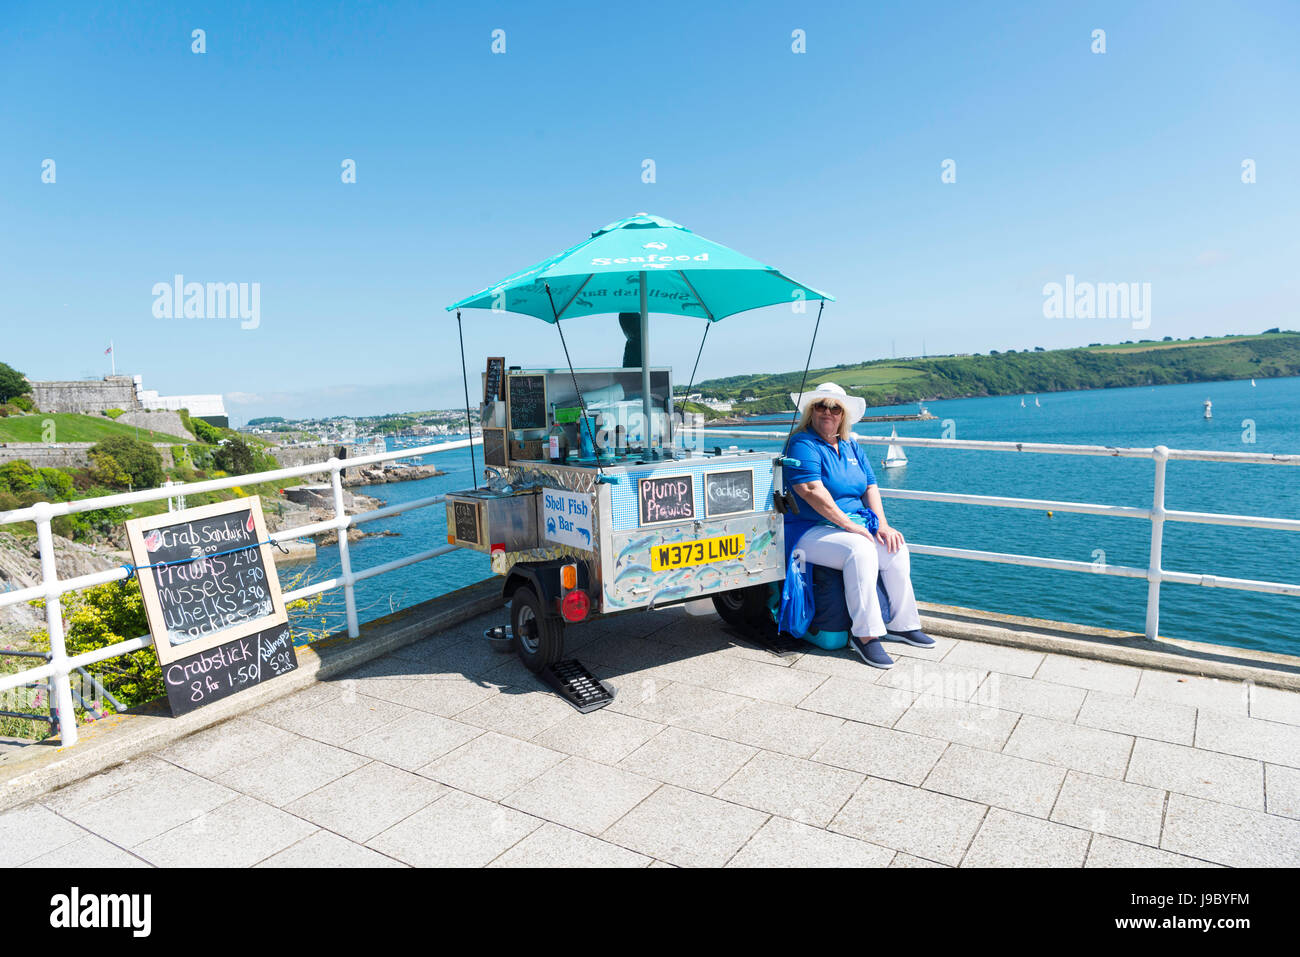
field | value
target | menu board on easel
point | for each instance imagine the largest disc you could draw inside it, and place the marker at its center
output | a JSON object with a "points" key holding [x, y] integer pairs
{"points": [[212, 600], [526, 402]]}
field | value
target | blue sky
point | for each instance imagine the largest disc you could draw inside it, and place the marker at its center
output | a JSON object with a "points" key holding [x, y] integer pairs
{"points": [[225, 167]]}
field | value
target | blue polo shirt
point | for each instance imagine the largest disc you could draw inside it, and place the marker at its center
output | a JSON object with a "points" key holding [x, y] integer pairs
{"points": [[845, 471]]}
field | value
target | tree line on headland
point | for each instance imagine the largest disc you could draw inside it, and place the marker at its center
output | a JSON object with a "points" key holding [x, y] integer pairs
{"points": [[887, 382]]}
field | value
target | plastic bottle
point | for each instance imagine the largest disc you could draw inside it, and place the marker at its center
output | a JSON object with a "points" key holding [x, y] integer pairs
{"points": [[557, 442]]}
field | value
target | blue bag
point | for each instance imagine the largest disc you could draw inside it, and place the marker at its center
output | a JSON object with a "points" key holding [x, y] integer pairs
{"points": [[796, 600]]}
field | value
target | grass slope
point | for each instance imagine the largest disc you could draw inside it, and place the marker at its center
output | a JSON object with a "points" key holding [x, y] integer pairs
{"points": [[895, 381], [70, 427]]}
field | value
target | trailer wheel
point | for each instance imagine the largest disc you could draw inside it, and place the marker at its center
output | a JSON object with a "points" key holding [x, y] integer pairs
{"points": [[538, 637], [742, 606]]}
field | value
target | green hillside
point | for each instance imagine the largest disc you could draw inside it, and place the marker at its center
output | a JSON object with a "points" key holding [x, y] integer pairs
{"points": [[69, 427], [896, 381]]}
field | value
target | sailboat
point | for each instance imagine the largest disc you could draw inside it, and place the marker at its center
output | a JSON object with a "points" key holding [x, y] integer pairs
{"points": [[1022, 402], [1037, 404], [1252, 383], [894, 457], [1207, 409]]}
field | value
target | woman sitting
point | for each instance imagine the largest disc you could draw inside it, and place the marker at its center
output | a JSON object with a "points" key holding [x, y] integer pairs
{"points": [[841, 522]]}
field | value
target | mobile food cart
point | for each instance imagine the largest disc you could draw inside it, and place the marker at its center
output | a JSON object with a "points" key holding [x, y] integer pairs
{"points": [[593, 504]]}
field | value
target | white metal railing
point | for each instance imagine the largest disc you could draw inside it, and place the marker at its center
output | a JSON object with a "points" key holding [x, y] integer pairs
{"points": [[1157, 514], [55, 672]]}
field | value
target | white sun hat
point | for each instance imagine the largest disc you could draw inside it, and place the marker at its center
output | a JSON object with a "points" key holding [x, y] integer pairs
{"points": [[854, 407]]}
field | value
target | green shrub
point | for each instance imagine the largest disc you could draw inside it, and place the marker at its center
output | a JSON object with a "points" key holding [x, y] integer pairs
{"points": [[12, 383], [234, 457], [19, 476], [139, 460], [105, 470], [206, 432], [105, 615], [24, 403], [114, 413], [57, 484]]}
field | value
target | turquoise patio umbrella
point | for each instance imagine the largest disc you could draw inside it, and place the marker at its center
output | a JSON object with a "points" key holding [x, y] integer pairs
{"points": [[638, 264]]}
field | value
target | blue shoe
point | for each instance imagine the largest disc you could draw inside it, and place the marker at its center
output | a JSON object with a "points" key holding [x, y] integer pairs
{"points": [[917, 639], [871, 651]]}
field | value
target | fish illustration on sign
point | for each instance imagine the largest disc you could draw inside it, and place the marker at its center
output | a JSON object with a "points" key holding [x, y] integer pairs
{"points": [[585, 534]]}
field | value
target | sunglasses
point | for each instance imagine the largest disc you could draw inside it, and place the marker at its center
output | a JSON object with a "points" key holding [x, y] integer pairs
{"points": [[827, 407]]}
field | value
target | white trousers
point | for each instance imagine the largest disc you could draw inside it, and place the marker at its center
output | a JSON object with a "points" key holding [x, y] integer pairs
{"points": [[861, 558]]}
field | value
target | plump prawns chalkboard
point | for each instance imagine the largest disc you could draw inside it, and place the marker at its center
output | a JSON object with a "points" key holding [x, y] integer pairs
{"points": [[667, 498], [207, 576]]}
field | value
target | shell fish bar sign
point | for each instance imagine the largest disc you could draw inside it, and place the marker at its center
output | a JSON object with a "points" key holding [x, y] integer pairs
{"points": [[211, 595]]}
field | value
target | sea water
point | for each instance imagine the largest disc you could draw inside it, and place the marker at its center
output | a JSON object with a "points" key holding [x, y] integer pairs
{"points": [[1265, 418]]}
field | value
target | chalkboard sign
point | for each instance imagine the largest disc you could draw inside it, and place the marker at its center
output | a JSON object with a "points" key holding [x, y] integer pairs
{"points": [[728, 493], [494, 447], [231, 667], [494, 379], [666, 499], [465, 519], [526, 398], [207, 576]]}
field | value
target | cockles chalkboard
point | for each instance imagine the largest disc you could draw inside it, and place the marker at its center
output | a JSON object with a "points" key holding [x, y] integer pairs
{"points": [[206, 576], [666, 499], [219, 672], [526, 398], [728, 493], [493, 379]]}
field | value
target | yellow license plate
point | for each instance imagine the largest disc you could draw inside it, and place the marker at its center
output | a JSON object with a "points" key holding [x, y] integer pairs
{"points": [[702, 551]]}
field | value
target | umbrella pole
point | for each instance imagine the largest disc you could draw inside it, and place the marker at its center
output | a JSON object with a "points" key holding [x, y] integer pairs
{"points": [[645, 365]]}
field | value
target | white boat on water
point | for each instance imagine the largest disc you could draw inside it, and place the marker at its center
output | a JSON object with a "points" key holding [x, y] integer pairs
{"points": [[1022, 402], [1207, 409], [1252, 383], [894, 456], [1037, 404]]}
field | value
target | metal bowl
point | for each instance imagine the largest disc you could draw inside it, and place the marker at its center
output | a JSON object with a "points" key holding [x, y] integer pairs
{"points": [[500, 638]]}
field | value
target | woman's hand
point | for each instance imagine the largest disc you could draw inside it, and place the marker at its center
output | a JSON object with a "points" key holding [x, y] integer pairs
{"points": [[888, 536]]}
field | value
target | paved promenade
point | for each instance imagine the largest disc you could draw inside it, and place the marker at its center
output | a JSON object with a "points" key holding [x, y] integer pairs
{"points": [[713, 754]]}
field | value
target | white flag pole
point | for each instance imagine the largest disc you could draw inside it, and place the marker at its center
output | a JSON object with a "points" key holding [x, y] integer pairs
{"points": [[112, 355]]}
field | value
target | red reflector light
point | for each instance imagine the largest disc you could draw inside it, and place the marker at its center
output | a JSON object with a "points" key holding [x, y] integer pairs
{"points": [[499, 548], [575, 606]]}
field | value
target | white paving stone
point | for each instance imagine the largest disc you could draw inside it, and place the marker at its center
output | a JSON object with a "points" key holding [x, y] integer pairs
{"points": [[1000, 658], [413, 740], [1282, 790], [859, 701], [1106, 806], [1141, 717], [1070, 746], [237, 834], [289, 771], [1209, 694], [959, 721], [457, 830], [1249, 737], [1112, 852], [605, 736], [1233, 836], [1000, 780], [582, 795], [1275, 704], [326, 849], [1091, 674], [929, 825], [939, 678], [1007, 839], [371, 799], [684, 705], [778, 727], [1029, 696], [220, 748], [554, 846], [492, 766], [685, 828], [881, 752], [32, 830], [688, 759], [89, 851], [783, 843], [1207, 774], [803, 791]]}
